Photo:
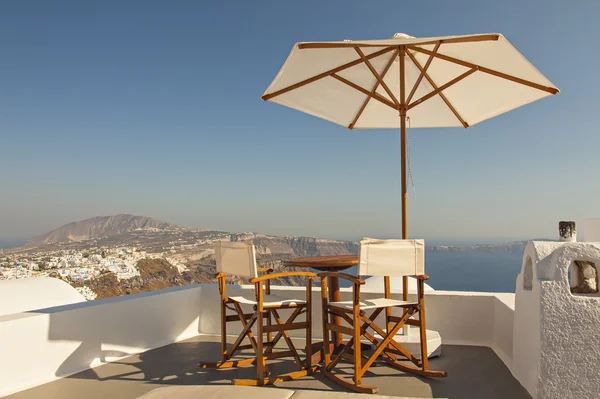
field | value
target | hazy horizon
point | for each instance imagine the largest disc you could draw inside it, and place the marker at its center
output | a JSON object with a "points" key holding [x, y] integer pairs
{"points": [[154, 109], [12, 242]]}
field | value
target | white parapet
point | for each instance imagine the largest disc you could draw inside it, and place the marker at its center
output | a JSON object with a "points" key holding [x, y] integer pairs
{"points": [[23, 295], [39, 346], [460, 318], [556, 349]]}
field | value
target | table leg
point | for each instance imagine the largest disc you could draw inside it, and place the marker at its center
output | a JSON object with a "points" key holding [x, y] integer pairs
{"points": [[334, 296]]}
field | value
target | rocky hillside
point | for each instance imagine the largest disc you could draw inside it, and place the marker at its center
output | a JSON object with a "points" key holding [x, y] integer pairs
{"points": [[296, 246], [97, 227]]}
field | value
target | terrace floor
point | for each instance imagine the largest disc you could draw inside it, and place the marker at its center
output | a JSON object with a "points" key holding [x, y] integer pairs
{"points": [[473, 372]]}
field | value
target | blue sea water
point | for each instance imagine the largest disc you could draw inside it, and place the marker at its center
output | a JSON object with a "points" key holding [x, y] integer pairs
{"points": [[471, 271]]}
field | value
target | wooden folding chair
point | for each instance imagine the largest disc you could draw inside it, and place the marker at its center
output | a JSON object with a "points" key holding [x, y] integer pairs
{"points": [[381, 258], [239, 258]]}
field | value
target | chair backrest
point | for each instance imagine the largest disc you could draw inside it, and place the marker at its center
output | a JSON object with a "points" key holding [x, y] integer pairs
{"points": [[391, 257], [238, 258]]}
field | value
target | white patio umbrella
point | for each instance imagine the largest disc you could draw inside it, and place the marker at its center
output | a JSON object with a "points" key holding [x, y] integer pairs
{"points": [[450, 81]]}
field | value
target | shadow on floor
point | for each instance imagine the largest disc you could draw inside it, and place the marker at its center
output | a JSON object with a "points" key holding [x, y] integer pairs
{"points": [[473, 372]]}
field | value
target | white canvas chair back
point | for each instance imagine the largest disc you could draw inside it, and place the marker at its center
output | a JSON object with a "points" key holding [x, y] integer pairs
{"points": [[391, 257], [238, 258]]}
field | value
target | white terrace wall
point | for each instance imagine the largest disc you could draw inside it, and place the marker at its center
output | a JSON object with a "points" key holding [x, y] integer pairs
{"points": [[22, 295], [40, 346], [462, 318], [44, 345]]}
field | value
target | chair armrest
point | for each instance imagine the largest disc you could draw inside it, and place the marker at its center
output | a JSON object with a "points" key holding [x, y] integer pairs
{"points": [[422, 277], [264, 270], [284, 274], [345, 276]]}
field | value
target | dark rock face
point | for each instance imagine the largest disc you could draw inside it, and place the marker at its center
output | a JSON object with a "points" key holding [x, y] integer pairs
{"points": [[155, 274], [158, 274], [587, 278]]}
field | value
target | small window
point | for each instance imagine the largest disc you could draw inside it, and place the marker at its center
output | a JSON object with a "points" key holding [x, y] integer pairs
{"points": [[528, 274], [583, 277]]}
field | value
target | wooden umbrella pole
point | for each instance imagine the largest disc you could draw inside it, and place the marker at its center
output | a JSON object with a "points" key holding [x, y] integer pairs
{"points": [[403, 143]]}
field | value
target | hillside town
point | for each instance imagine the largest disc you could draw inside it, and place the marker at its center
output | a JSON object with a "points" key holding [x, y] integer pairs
{"points": [[90, 260], [107, 256]]}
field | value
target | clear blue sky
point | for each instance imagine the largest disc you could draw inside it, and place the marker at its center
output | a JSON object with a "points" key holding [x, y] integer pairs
{"points": [[153, 108]]}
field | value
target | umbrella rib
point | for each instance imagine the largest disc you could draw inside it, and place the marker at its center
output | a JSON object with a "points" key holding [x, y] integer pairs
{"points": [[432, 83], [379, 78], [325, 74], [362, 108], [375, 96], [468, 39], [422, 74], [551, 90], [442, 88]]}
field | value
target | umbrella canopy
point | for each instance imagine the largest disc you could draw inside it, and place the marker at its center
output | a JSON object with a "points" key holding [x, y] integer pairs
{"points": [[439, 81], [431, 82]]}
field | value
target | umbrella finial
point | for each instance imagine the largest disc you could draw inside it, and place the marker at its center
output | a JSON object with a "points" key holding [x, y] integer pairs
{"points": [[402, 36]]}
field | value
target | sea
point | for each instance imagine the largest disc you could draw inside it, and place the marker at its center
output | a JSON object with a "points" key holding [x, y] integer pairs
{"points": [[484, 271]]}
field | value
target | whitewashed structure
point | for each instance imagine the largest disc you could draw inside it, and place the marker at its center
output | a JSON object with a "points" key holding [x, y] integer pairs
{"points": [[556, 339]]}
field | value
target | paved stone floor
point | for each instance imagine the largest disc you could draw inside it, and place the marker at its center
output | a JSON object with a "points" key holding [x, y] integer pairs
{"points": [[473, 372]]}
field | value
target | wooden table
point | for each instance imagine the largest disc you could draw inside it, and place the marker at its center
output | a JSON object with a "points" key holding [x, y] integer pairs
{"points": [[329, 264]]}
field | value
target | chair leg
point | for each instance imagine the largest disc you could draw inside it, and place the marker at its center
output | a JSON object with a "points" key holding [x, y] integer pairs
{"points": [[382, 348], [286, 336], [422, 326], [246, 332], [354, 384], [324, 321], [260, 361], [388, 311], [357, 356], [308, 364], [269, 322], [266, 378], [264, 350], [223, 332], [348, 384]]}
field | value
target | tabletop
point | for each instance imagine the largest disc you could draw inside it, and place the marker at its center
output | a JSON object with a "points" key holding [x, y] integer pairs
{"points": [[337, 262]]}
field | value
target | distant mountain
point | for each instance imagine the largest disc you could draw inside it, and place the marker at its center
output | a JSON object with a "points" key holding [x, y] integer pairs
{"points": [[99, 226]]}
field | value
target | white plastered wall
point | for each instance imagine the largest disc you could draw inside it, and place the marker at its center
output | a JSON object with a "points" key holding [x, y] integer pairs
{"points": [[44, 345], [526, 337], [22, 295], [570, 339], [461, 318], [556, 352]]}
